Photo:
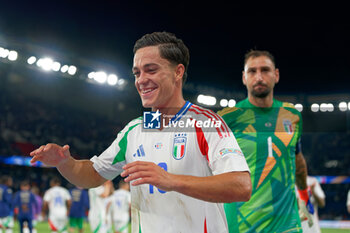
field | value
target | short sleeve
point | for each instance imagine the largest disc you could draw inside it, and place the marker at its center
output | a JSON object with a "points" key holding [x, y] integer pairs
{"points": [[223, 152], [110, 163]]}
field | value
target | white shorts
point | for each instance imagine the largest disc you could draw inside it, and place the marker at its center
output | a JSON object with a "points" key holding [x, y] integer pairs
{"points": [[121, 226], [98, 225], [6, 222], [58, 224]]}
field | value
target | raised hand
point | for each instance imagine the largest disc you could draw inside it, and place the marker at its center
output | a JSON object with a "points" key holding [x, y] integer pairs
{"points": [[51, 154]]}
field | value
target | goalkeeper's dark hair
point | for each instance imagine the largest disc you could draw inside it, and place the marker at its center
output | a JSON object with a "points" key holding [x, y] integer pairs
{"points": [[258, 53], [170, 47]]}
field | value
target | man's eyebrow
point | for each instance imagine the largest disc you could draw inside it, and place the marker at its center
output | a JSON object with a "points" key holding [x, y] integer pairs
{"points": [[144, 66]]}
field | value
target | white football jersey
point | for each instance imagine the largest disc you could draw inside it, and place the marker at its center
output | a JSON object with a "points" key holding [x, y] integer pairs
{"points": [[318, 192], [197, 142], [121, 205], [57, 198], [97, 203]]}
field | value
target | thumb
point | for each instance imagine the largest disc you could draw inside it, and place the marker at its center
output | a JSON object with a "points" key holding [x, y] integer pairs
{"points": [[65, 150], [65, 147]]}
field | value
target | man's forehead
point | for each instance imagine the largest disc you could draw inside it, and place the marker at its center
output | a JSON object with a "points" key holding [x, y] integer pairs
{"points": [[148, 55], [261, 61]]}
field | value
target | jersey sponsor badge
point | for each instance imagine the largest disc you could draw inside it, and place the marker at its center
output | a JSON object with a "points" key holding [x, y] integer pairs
{"points": [[158, 145], [151, 120], [287, 124], [179, 147], [225, 151]]}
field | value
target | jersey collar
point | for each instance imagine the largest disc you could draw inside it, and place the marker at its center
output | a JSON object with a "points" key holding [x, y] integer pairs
{"points": [[182, 112]]}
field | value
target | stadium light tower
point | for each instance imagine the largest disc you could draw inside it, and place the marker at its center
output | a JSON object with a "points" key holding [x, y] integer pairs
{"points": [[72, 70], [31, 60], [223, 103], [323, 107], [330, 107], [343, 106], [100, 77], [206, 99], [315, 107], [299, 107], [13, 55], [112, 79], [4, 52], [64, 68], [231, 103]]}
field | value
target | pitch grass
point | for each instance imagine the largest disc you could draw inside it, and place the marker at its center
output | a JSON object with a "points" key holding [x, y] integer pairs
{"points": [[43, 227]]}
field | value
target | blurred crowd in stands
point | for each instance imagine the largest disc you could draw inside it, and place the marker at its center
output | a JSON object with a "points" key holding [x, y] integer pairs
{"points": [[26, 124]]}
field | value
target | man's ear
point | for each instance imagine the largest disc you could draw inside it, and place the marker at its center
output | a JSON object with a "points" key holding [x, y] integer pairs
{"points": [[277, 75], [179, 72], [243, 78]]}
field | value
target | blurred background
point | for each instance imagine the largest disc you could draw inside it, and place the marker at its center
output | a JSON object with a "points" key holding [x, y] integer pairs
{"points": [[65, 77]]}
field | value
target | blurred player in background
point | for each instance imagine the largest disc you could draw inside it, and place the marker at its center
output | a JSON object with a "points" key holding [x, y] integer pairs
{"points": [[268, 132], [121, 207], [79, 207], [6, 214], [24, 201], [318, 199], [98, 207], [348, 202], [180, 176], [37, 207], [57, 201]]}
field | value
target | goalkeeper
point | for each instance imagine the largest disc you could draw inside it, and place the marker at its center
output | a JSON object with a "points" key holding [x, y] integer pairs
{"points": [[268, 132]]}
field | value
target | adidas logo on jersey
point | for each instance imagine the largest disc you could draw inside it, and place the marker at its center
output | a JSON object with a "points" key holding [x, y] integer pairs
{"points": [[140, 152]]}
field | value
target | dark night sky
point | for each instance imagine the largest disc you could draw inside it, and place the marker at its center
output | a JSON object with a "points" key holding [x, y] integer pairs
{"points": [[312, 51]]}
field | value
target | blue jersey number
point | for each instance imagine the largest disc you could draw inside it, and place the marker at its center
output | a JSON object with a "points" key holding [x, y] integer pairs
{"points": [[58, 201], [151, 187]]}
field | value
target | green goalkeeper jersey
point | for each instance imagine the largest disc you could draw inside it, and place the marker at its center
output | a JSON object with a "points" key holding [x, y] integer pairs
{"points": [[268, 138]]}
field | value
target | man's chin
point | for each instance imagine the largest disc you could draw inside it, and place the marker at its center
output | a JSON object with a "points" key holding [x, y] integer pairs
{"points": [[261, 94], [147, 104]]}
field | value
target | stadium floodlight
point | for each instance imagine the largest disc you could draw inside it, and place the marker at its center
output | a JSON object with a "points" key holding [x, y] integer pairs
{"points": [[45, 63], [343, 106], [64, 69], [31, 60], [315, 107], [122, 81], [349, 105], [100, 77], [72, 70], [231, 103], [13, 55], [4, 52], [330, 107], [223, 103], [56, 66], [206, 99], [91, 75], [299, 107], [323, 107], [112, 79]]}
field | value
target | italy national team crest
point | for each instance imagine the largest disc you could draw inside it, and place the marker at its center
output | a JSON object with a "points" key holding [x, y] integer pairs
{"points": [[288, 127], [179, 147]]}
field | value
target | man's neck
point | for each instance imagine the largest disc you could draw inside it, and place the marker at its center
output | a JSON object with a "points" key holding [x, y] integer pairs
{"points": [[170, 112], [265, 102]]}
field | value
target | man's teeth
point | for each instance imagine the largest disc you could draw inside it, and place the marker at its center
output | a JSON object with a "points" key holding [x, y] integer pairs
{"points": [[148, 90]]}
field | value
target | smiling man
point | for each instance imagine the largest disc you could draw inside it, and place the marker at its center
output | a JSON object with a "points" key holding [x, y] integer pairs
{"points": [[180, 176]]}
